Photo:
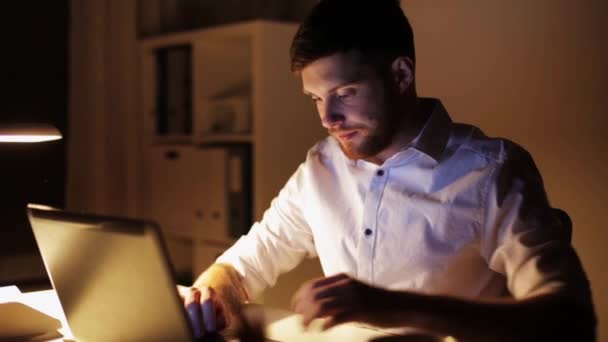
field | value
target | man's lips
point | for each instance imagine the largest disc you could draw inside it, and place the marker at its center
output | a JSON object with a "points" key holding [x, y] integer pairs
{"points": [[345, 136]]}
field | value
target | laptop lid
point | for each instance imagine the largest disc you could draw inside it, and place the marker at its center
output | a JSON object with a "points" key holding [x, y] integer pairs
{"points": [[112, 276]]}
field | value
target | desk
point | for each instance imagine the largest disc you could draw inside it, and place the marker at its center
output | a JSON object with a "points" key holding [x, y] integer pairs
{"points": [[281, 325]]}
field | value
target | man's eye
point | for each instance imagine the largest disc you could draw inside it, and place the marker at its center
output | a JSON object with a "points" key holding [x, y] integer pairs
{"points": [[315, 99], [345, 97], [347, 93]]}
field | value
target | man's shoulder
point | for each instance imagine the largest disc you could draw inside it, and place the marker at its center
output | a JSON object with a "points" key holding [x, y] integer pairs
{"points": [[324, 151], [473, 139], [320, 158]]}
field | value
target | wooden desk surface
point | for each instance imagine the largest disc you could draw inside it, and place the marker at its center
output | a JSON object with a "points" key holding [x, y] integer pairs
{"points": [[281, 325]]}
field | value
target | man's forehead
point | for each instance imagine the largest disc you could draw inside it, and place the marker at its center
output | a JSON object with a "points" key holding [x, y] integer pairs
{"points": [[334, 70]]}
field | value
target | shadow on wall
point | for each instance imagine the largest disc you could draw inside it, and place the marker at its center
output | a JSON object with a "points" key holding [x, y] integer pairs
{"points": [[34, 80], [164, 16]]}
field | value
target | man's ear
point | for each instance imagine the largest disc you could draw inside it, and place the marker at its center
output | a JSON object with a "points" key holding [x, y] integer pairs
{"points": [[403, 73]]}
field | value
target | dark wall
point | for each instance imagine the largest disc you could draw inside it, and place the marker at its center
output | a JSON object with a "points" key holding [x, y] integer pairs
{"points": [[33, 87]]}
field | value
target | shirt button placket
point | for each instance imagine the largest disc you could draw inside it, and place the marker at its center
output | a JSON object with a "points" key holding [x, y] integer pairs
{"points": [[367, 238]]}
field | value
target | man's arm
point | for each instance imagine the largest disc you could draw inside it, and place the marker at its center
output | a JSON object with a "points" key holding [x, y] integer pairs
{"points": [[273, 246], [550, 316], [546, 317]]}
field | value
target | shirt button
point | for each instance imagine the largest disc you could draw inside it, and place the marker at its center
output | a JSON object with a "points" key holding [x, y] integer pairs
{"points": [[380, 173], [368, 232]]}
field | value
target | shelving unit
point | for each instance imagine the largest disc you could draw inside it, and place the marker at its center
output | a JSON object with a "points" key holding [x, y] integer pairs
{"points": [[190, 178]]}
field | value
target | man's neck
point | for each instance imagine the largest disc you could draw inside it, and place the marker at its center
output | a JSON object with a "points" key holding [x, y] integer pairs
{"points": [[407, 131]]}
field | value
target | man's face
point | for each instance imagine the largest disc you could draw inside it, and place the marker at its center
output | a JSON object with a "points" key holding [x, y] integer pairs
{"points": [[354, 103]]}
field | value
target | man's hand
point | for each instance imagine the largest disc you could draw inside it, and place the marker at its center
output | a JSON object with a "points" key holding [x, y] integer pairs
{"points": [[341, 299], [214, 300], [206, 311]]}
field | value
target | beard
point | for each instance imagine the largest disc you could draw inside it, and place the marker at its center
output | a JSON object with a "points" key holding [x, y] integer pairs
{"points": [[373, 140], [380, 133]]}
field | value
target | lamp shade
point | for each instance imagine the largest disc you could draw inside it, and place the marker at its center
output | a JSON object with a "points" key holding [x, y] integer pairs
{"points": [[28, 133]]}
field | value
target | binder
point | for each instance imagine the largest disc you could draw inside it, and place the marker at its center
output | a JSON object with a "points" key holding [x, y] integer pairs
{"points": [[239, 189], [174, 90]]}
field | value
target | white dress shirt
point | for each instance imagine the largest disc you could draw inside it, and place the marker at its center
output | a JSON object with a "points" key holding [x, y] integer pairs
{"points": [[454, 213]]}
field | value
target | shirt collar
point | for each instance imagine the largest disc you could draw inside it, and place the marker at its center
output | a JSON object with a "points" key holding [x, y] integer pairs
{"points": [[435, 133], [431, 140]]}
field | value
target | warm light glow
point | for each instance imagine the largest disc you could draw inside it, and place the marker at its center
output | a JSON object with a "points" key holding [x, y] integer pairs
{"points": [[28, 133], [40, 206], [28, 138]]}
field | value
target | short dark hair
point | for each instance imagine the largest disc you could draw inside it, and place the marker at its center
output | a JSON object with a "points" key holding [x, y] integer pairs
{"points": [[377, 28]]}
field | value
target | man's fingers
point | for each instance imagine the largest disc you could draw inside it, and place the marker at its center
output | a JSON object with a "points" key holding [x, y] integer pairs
{"points": [[321, 297], [297, 297], [321, 309], [193, 309], [196, 319], [312, 285], [209, 319], [191, 295], [182, 291], [221, 321], [336, 289], [302, 292], [340, 298], [203, 310], [338, 318], [209, 308], [329, 280], [221, 315]]}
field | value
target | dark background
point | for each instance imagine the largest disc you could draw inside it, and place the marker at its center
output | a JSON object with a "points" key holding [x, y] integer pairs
{"points": [[34, 88]]}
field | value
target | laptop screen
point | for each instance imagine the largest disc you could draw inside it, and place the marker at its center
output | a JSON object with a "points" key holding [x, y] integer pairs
{"points": [[112, 276]]}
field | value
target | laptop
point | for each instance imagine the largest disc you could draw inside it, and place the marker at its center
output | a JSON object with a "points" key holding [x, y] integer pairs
{"points": [[112, 276]]}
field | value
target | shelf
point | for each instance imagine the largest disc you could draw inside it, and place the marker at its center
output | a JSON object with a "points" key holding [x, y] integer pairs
{"points": [[172, 139], [224, 139], [224, 32]]}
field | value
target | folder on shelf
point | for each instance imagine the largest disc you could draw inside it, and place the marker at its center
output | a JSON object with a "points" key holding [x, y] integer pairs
{"points": [[174, 90], [239, 189]]}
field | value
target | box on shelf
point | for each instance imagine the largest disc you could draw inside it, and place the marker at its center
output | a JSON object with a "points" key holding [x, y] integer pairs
{"points": [[229, 115]]}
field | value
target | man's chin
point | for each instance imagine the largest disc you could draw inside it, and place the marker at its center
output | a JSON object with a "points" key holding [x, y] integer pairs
{"points": [[352, 153], [365, 151]]}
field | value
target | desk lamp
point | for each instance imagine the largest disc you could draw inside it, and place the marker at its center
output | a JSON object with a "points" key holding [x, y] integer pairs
{"points": [[28, 133]]}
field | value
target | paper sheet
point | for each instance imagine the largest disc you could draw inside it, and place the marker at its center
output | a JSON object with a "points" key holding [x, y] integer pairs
{"points": [[20, 320]]}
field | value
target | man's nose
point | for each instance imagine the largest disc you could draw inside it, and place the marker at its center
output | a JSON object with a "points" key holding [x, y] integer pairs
{"points": [[329, 116]]}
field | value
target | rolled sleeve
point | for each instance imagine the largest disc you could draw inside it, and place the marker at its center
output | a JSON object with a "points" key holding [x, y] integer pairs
{"points": [[524, 238], [276, 244]]}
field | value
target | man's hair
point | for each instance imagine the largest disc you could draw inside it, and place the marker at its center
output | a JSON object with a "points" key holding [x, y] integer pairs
{"points": [[377, 28]]}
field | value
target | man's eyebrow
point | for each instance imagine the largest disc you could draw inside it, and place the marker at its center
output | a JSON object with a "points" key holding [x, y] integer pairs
{"points": [[341, 85]]}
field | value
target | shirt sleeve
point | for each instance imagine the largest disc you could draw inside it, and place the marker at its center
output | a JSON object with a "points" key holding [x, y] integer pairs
{"points": [[524, 238], [276, 244]]}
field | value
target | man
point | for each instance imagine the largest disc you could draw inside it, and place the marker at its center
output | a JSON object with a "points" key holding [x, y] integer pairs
{"points": [[417, 221]]}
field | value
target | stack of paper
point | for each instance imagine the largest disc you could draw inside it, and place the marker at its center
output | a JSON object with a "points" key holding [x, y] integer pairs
{"points": [[19, 321]]}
